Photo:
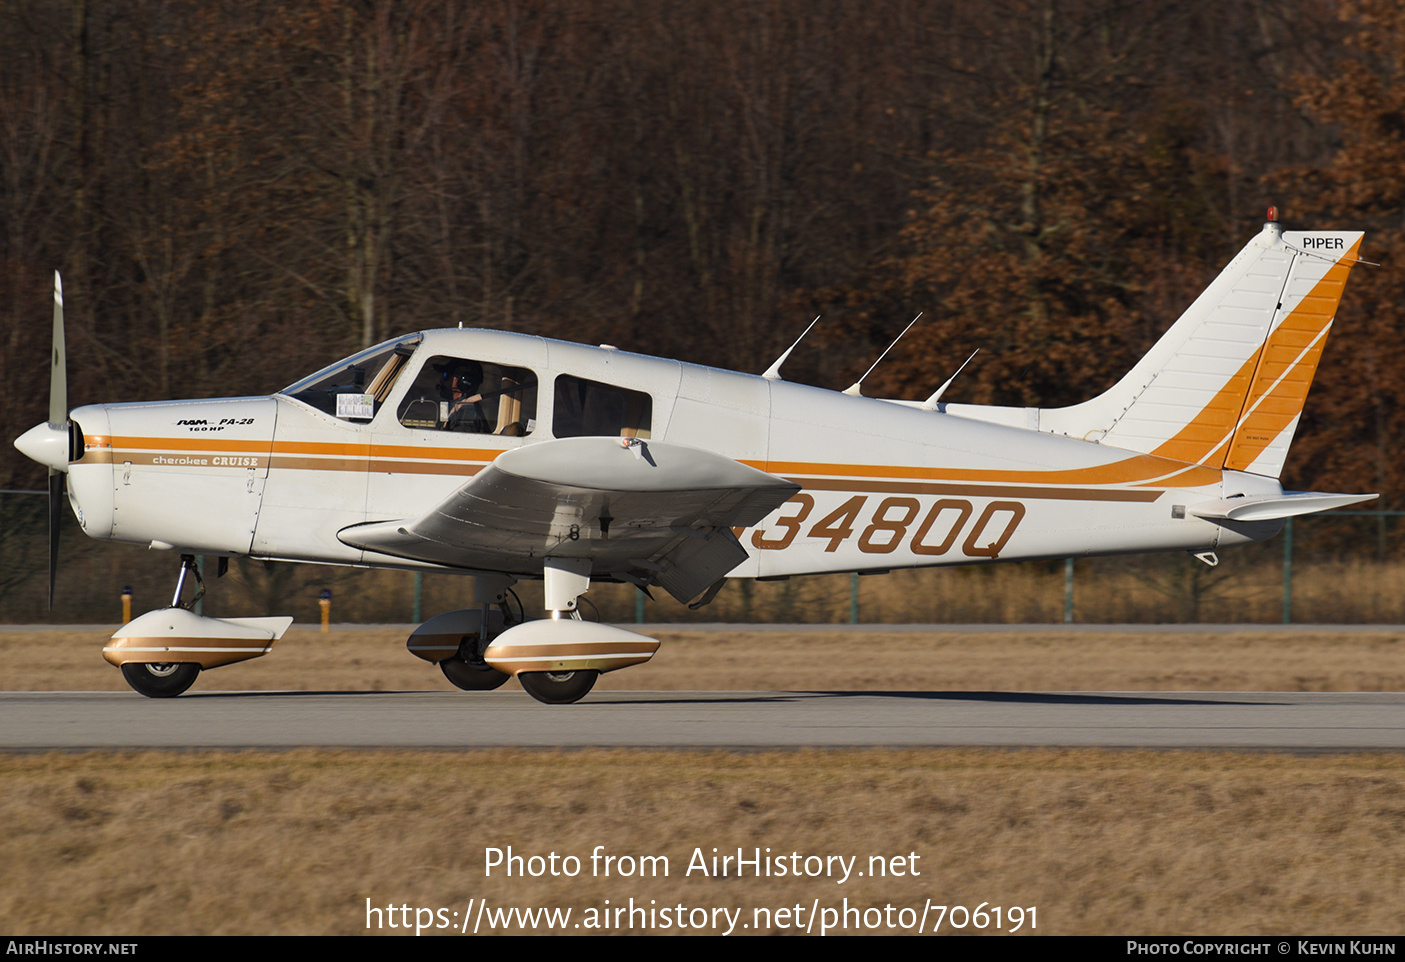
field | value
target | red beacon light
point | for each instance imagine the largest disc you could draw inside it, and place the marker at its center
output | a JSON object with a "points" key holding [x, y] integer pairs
{"points": [[1273, 215]]}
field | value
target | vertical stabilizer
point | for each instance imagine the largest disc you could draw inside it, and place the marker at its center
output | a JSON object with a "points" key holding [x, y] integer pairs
{"points": [[1225, 386]]}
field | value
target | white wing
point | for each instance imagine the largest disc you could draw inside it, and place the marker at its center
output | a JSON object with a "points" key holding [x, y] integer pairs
{"points": [[644, 512]]}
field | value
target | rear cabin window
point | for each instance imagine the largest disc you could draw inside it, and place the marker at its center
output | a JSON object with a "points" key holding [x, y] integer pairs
{"points": [[469, 396], [590, 409]]}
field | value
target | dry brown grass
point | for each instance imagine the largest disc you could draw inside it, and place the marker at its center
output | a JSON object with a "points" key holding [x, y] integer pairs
{"points": [[1099, 842], [942, 660]]}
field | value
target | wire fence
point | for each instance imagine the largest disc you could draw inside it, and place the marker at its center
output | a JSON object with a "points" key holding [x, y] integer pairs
{"points": [[1339, 567]]}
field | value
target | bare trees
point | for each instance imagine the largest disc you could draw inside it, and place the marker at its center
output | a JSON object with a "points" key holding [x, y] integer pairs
{"points": [[1049, 179]]}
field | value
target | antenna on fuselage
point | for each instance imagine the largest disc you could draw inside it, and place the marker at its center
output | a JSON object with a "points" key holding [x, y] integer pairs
{"points": [[853, 389], [773, 373], [931, 403]]}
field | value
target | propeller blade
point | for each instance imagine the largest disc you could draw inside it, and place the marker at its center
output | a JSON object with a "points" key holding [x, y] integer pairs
{"points": [[56, 491], [58, 370], [58, 417]]}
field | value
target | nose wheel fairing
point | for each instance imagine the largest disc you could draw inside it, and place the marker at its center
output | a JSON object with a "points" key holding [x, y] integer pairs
{"points": [[177, 636]]}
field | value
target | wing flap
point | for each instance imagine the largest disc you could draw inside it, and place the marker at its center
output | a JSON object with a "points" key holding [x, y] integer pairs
{"points": [[695, 564]]}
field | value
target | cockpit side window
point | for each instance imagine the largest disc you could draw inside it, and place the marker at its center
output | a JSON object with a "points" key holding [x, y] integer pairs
{"points": [[586, 408], [472, 397], [355, 389]]}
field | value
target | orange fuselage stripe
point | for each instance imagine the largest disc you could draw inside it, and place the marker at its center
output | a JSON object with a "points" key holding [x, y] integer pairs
{"points": [[1138, 469], [306, 448]]}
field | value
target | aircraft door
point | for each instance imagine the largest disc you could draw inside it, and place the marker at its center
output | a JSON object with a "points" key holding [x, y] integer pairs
{"points": [[455, 416]]}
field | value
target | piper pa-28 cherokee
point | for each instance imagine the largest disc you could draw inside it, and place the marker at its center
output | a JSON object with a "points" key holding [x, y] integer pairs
{"points": [[509, 457]]}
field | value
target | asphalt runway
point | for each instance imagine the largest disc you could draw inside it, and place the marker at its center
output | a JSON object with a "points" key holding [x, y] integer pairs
{"points": [[1295, 721]]}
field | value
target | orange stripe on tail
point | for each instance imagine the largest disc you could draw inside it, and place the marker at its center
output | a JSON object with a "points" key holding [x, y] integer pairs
{"points": [[1287, 365], [1263, 397]]}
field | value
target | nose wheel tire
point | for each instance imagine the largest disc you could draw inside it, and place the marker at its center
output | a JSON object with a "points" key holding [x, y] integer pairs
{"points": [[558, 687], [471, 677], [160, 680]]}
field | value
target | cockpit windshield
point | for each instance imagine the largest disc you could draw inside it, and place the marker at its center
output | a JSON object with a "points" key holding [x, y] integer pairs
{"points": [[354, 389]]}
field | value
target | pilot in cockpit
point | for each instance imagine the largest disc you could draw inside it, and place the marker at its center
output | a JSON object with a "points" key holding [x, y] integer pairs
{"points": [[460, 388]]}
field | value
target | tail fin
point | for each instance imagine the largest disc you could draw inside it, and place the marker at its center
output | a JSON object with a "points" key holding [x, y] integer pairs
{"points": [[1225, 386]]}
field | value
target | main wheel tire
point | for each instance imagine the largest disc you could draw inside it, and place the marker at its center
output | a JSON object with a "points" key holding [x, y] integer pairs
{"points": [[471, 677], [558, 687], [160, 680]]}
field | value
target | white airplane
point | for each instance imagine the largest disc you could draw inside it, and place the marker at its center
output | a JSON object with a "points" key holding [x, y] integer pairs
{"points": [[509, 457]]}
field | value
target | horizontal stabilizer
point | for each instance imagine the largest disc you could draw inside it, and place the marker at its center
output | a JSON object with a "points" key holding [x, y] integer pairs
{"points": [[1270, 507]]}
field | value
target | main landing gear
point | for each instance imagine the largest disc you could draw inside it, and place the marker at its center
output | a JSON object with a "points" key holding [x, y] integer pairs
{"points": [[463, 673], [565, 581], [466, 668], [167, 679], [558, 687], [456, 640], [557, 659]]}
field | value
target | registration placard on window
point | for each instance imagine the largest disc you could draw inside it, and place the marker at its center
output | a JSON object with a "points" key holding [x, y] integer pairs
{"points": [[356, 406]]}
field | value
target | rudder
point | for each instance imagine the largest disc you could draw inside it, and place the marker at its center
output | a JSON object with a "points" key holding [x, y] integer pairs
{"points": [[1288, 361]]}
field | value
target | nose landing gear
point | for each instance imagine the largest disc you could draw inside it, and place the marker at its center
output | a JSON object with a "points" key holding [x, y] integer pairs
{"points": [[162, 652]]}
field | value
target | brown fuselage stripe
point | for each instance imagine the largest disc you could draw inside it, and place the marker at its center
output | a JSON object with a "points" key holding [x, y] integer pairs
{"points": [[461, 469], [249, 461], [1136, 469], [456, 463], [1051, 492], [179, 459]]}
